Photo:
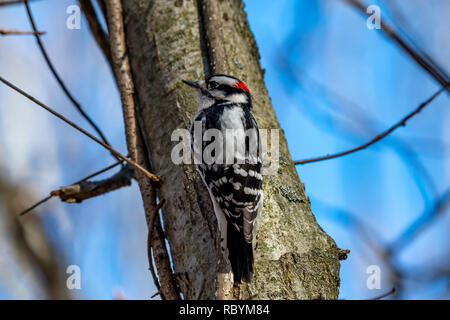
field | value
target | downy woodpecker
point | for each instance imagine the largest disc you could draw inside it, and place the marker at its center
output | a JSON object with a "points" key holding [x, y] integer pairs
{"points": [[234, 175]]}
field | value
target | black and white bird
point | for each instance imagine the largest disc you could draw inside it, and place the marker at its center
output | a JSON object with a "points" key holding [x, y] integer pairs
{"points": [[234, 176]]}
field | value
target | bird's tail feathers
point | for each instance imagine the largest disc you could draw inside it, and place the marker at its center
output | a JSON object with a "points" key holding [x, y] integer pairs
{"points": [[240, 255]]}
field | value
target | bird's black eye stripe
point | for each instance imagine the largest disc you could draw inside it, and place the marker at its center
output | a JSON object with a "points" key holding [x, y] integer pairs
{"points": [[213, 85]]}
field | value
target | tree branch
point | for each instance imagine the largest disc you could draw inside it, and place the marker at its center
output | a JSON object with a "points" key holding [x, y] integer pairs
{"points": [[418, 225], [149, 175], [388, 31], [89, 189], [6, 32], [96, 29], [11, 2], [379, 137], [80, 181], [59, 80], [136, 148], [384, 295]]}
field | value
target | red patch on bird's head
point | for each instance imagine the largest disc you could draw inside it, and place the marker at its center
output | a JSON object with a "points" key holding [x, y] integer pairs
{"points": [[241, 85]]}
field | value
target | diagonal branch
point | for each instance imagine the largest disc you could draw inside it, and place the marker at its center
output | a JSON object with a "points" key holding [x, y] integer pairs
{"points": [[421, 223], [102, 6], [59, 80], [78, 192], [151, 223], [6, 32], [116, 153], [387, 294], [97, 31], [11, 2], [80, 181], [379, 137], [137, 149], [442, 79]]}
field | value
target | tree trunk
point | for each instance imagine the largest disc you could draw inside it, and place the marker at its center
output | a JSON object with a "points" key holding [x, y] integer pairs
{"points": [[173, 40]]}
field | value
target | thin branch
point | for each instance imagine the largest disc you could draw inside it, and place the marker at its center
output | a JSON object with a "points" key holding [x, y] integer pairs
{"points": [[5, 32], [115, 164], [400, 22], [379, 137], [102, 6], [153, 216], [59, 80], [402, 44], [78, 192], [438, 207], [343, 253], [80, 181], [37, 204], [137, 148], [96, 29], [11, 2], [345, 108], [384, 295], [149, 175]]}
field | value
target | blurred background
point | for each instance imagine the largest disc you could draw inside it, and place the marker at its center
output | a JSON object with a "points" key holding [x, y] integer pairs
{"points": [[334, 84]]}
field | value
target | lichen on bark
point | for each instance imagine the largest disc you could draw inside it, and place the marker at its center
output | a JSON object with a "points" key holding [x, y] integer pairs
{"points": [[295, 258]]}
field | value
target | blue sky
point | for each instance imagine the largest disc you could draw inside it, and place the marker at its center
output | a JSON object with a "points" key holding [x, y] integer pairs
{"points": [[370, 84]]}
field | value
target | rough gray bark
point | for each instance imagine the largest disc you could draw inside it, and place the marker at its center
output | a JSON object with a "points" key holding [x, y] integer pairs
{"points": [[295, 259]]}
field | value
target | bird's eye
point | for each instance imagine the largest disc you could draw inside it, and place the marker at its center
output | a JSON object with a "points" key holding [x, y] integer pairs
{"points": [[213, 85]]}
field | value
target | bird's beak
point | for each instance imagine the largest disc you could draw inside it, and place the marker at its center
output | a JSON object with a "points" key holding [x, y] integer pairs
{"points": [[192, 83]]}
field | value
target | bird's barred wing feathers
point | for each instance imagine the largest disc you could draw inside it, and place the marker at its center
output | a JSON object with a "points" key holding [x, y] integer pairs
{"points": [[236, 187]]}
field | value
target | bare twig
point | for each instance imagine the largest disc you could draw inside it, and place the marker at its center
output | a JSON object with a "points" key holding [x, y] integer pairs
{"points": [[149, 175], [5, 32], [84, 179], [402, 44], [384, 295], [102, 6], [115, 164], [346, 107], [400, 22], [438, 207], [89, 189], [151, 223], [343, 253], [96, 29], [11, 2], [37, 204], [137, 149], [379, 137], [59, 80]]}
